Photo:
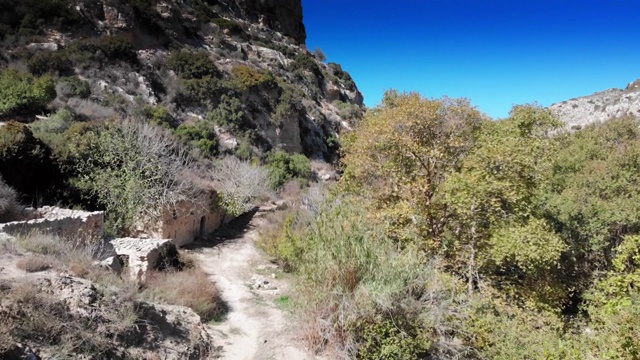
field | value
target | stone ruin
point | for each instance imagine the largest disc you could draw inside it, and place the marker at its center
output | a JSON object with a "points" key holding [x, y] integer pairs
{"points": [[144, 255], [185, 221], [75, 224]]}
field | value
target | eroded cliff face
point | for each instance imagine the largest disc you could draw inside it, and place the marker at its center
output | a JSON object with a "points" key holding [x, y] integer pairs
{"points": [[266, 89], [599, 107], [284, 16]]}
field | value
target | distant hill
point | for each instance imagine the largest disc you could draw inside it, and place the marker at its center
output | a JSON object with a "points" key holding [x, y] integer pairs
{"points": [[599, 107]]}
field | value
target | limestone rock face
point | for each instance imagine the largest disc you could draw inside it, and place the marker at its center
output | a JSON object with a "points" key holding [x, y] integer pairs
{"points": [[284, 16], [599, 107]]}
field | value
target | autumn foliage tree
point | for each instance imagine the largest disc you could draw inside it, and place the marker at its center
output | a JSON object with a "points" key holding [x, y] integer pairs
{"points": [[401, 155]]}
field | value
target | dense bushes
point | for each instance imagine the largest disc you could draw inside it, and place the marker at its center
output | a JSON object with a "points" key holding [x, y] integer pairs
{"points": [[55, 62], [306, 62], [134, 170], [9, 203], [245, 78], [26, 163], [284, 167], [102, 50], [193, 65], [33, 17], [22, 93], [493, 240], [200, 136]]}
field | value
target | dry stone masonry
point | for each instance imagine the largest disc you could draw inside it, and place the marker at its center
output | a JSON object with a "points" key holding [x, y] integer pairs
{"points": [[144, 254], [75, 224]]}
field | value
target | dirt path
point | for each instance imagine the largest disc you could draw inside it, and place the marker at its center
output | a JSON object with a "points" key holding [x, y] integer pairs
{"points": [[255, 327]]}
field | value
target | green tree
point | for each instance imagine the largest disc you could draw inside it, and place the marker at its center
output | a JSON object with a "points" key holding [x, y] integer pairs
{"points": [[22, 93], [494, 199], [284, 167], [401, 154]]}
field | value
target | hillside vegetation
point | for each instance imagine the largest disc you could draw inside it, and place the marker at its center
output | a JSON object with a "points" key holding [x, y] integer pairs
{"points": [[448, 235], [453, 236]]}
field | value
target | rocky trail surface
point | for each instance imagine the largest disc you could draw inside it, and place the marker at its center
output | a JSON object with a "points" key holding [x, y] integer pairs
{"points": [[255, 326]]}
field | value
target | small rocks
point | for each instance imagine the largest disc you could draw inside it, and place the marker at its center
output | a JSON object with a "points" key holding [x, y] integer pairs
{"points": [[262, 284]]}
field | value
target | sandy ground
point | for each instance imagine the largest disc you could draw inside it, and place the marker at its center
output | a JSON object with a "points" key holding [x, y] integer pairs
{"points": [[255, 327]]}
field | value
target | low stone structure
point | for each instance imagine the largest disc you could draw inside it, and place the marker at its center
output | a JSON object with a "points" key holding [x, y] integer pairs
{"points": [[76, 224], [144, 255], [186, 221]]}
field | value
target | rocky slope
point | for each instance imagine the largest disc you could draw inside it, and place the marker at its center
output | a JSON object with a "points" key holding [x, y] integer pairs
{"points": [[247, 68], [601, 106]]}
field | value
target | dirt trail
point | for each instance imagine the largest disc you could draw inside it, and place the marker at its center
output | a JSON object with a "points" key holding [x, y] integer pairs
{"points": [[255, 327]]}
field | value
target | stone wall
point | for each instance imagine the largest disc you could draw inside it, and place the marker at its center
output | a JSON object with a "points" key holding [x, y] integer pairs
{"points": [[184, 222], [189, 220], [66, 223]]}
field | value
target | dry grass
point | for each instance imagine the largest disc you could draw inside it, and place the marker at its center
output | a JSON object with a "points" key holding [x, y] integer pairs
{"points": [[10, 207], [191, 288], [35, 263], [63, 254], [35, 317]]}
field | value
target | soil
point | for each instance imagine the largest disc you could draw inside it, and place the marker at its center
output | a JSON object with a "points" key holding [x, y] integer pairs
{"points": [[256, 292]]}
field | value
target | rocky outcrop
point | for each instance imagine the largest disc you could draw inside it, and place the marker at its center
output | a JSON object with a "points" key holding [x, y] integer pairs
{"points": [[283, 16], [599, 107], [102, 321], [266, 36]]}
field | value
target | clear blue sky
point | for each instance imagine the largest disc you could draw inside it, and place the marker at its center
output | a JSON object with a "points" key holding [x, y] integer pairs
{"points": [[496, 52]]}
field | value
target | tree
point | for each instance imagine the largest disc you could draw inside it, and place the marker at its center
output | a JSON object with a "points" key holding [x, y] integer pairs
{"points": [[496, 225], [21, 92], [136, 170], [319, 54], [26, 163], [402, 153]]}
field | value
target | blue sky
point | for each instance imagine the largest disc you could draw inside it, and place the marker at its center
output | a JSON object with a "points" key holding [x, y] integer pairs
{"points": [[497, 53]]}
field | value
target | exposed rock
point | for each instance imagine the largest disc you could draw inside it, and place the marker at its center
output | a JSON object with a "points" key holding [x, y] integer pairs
{"points": [[599, 107], [144, 254], [146, 331], [111, 263], [43, 46], [284, 16]]}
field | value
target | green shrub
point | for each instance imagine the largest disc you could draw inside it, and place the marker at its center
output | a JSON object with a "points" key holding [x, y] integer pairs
{"points": [[289, 105], [9, 203], [34, 17], [102, 50], [284, 167], [306, 62], [233, 27], [159, 115], [343, 76], [133, 170], [193, 65], [245, 78], [348, 111], [76, 87], [394, 338], [228, 114], [199, 92], [26, 163], [22, 93], [200, 136], [54, 62]]}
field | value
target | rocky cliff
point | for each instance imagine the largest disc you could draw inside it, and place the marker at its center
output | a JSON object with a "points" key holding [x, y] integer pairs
{"points": [[601, 106], [238, 67]]}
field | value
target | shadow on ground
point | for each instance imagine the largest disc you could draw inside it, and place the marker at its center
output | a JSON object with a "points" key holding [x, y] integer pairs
{"points": [[234, 230]]}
